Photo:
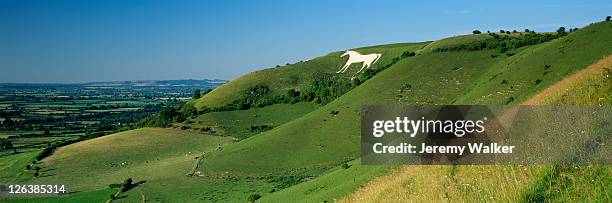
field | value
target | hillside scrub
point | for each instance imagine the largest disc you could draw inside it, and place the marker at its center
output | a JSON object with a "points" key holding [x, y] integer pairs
{"points": [[169, 115], [504, 42], [324, 88]]}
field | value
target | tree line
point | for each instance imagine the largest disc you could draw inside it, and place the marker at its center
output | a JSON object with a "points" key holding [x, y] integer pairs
{"points": [[505, 42]]}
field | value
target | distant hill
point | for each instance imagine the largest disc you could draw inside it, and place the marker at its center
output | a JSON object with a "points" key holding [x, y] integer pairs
{"points": [[133, 83], [159, 83]]}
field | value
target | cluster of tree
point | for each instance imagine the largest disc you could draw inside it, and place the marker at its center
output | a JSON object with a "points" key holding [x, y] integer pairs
{"points": [[503, 42], [324, 88], [170, 114], [608, 18], [197, 94], [6, 144]]}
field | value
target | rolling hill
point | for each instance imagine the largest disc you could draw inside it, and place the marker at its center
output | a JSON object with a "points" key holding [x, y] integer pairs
{"points": [[297, 75], [311, 153]]}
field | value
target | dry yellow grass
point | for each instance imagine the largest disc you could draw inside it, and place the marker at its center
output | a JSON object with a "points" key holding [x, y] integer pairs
{"points": [[449, 183]]}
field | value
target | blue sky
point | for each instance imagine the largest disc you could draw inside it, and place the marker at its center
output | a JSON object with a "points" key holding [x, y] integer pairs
{"points": [[114, 40]]}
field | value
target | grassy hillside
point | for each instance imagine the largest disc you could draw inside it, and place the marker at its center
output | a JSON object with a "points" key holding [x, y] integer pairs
{"points": [[509, 183], [143, 154], [245, 123], [592, 86], [13, 167], [531, 70], [321, 138], [520, 183], [297, 75]]}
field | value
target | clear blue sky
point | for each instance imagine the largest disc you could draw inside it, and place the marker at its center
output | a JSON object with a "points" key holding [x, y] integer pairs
{"points": [[89, 40]]}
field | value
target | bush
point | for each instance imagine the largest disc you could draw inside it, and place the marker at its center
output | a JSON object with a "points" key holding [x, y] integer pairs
{"points": [[538, 81], [205, 129], [407, 54], [346, 165], [260, 128], [6, 144], [196, 94], [608, 18], [126, 185], [476, 32], [170, 114], [561, 31], [253, 197]]}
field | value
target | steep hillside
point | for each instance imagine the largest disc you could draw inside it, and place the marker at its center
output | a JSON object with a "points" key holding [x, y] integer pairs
{"points": [[531, 70], [464, 181], [521, 183], [297, 75], [510, 183], [321, 138], [592, 86]]}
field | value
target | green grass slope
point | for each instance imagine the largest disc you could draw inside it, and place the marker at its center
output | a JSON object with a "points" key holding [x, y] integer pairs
{"points": [[142, 154], [531, 70], [519, 183], [320, 138], [238, 123], [330, 186], [296, 75], [510, 183], [13, 167], [452, 41]]}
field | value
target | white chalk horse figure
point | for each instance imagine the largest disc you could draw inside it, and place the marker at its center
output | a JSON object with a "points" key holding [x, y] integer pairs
{"points": [[356, 57]]}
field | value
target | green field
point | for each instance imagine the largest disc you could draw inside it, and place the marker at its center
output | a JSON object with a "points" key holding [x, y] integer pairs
{"points": [[311, 153]]}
